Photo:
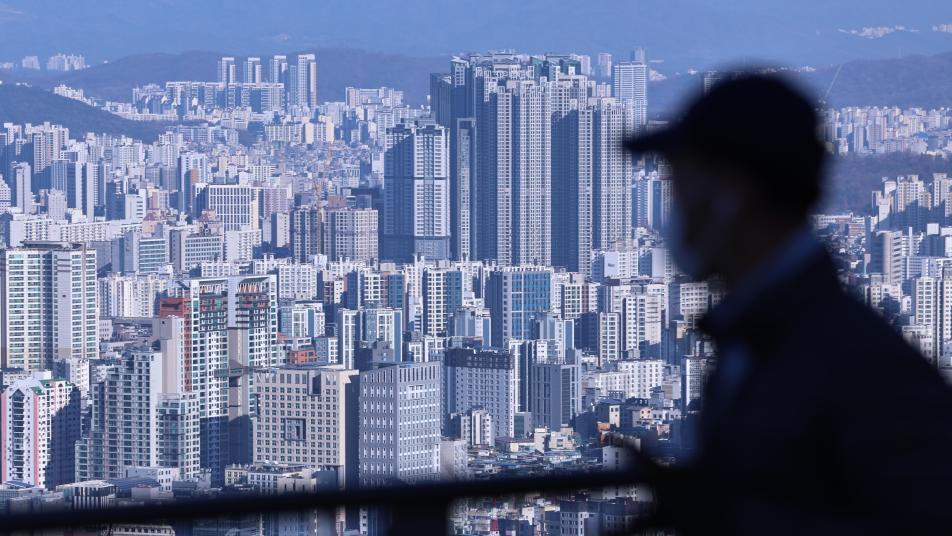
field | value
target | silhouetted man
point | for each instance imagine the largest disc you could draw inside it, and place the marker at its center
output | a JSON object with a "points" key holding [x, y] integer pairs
{"points": [[819, 418]]}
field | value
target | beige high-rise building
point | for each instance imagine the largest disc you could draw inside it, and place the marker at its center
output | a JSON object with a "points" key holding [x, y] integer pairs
{"points": [[303, 414]]}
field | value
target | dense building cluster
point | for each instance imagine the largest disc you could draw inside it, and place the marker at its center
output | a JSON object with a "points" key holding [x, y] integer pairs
{"points": [[897, 259], [362, 293], [57, 62], [283, 294], [882, 130]]}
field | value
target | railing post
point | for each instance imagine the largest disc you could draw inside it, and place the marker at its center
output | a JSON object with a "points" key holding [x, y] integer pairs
{"points": [[430, 517]]}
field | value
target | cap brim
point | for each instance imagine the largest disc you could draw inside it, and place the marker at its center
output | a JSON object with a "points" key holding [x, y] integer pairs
{"points": [[664, 142]]}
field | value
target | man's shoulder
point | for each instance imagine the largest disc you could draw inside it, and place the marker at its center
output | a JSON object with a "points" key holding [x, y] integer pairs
{"points": [[841, 333], [859, 348]]}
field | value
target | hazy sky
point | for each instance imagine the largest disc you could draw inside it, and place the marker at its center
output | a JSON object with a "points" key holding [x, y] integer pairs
{"points": [[684, 33]]}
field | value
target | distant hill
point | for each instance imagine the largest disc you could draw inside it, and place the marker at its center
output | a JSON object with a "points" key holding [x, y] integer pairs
{"points": [[23, 104], [924, 81], [115, 80], [853, 178], [682, 33], [336, 70], [910, 81]]}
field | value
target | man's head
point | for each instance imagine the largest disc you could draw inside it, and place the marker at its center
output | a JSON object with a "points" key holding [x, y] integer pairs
{"points": [[746, 168]]}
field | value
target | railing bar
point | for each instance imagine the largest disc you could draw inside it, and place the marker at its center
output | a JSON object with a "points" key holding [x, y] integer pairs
{"points": [[404, 496]]}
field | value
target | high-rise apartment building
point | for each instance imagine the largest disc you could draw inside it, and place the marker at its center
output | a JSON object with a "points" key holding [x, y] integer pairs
{"points": [[21, 186], [235, 205], [384, 325], [498, 109], [462, 169], [253, 320], [442, 296], [307, 230], [611, 172], [5, 196], [278, 70], [227, 321], [604, 65], [48, 304], [630, 83], [554, 393], [416, 192], [39, 425], [203, 304], [192, 170], [400, 420], [134, 422], [226, 70], [572, 173], [642, 319], [81, 179], [253, 73], [47, 145], [514, 201], [651, 202], [348, 331], [695, 371], [453, 101], [303, 82], [351, 234]]}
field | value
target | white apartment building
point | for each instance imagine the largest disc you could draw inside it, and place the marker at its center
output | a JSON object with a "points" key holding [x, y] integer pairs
{"points": [[635, 378], [400, 417], [39, 424], [48, 304], [140, 418]]}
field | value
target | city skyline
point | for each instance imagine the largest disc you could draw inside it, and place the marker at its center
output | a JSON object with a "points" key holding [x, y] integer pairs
{"points": [[774, 31], [287, 291]]}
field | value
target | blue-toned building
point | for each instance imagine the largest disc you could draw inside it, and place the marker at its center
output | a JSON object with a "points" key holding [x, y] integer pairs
{"points": [[514, 296]]}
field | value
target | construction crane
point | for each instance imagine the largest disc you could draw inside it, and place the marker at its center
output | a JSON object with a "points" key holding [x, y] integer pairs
{"points": [[832, 83], [323, 176]]}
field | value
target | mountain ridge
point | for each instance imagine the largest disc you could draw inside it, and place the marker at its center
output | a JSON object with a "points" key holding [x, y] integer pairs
{"points": [[913, 81], [684, 33], [337, 68], [881, 82], [22, 104], [886, 82]]}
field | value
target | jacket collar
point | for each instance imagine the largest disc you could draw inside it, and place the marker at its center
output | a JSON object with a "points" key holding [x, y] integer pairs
{"points": [[758, 312]]}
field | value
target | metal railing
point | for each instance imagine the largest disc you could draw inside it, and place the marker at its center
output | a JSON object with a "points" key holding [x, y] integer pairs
{"points": [[412, 509]]}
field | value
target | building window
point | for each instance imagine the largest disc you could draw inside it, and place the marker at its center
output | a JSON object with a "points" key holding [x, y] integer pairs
{"points": [[293, 429]]}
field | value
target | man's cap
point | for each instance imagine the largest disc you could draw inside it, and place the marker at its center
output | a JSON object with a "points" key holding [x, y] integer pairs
{"points": [[754, 122]]}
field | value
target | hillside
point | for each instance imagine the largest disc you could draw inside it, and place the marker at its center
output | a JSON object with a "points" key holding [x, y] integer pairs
{"points": [[923, 81], [336, 70], [23, 104], [682, 33], [853, 178], [114, 81]]}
